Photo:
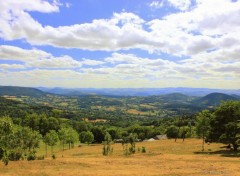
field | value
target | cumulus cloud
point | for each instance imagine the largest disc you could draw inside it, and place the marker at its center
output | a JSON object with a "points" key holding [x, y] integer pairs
{"points": [[11, 66], [133, 71], [34, 58], [8, 52], [55, 62], [180, 4], [91, 62], [175, 33]]}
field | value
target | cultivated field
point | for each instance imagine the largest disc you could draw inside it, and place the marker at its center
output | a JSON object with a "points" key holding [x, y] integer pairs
{"points": [[164, 157]]}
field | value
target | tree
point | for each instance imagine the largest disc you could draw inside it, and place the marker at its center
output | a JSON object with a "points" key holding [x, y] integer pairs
{"points": [[51, 139], [16, 140], [224, 126], [68, 136], [6, 131], [30, 139], [72, 137], [132, 140], [62, 134], [99, 133], [172, 132], [114, 132], [86, 137], [107, 144], [203, 125]]}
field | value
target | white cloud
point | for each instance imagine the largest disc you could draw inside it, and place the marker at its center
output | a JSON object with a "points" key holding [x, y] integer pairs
{"points": [[207, 35], [91, 62], [180, 4], [55, 62], [156, 4], [133, 71], [11, 66], [175, 33], [68, 5], [35, 58], [26, 5], [8, 52]]}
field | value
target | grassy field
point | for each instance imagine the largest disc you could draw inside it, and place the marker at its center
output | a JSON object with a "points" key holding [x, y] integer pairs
{"points": [[164, 157]]}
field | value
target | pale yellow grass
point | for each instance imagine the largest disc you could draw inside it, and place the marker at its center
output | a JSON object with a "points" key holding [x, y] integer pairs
{"points": [[164, 157]]}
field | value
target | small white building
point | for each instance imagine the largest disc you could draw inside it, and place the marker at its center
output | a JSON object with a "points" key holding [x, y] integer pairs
{"points": [[160, 137]]}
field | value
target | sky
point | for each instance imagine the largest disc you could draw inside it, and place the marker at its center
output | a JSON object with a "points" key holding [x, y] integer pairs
{"points": [[120, 43]]}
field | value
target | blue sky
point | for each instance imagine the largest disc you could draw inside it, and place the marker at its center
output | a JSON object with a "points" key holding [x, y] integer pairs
{"points": [[120, 43]]}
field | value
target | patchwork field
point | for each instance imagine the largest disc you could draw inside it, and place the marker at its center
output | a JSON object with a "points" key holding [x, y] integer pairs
{"points": [[164, 157]]}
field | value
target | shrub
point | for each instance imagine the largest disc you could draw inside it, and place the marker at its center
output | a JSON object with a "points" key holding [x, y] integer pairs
{"points": [[41, 157], [15, 156], [1, 153], [31, 156], [143, 150], [5, 158], [53, 156]]}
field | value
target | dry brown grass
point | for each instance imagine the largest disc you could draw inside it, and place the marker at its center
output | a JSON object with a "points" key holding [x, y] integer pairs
{"points": [[162, 158]]}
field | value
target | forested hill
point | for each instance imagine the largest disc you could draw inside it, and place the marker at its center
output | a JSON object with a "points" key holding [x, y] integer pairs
{"points": [[105, 107], [20, 91], [214, 99], [18, 109]]}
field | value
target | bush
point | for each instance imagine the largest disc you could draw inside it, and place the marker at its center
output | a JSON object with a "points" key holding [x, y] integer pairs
{"points": [[1, 153], [5, 158], [53, 156], [41, 157], [15, 156], [143, 150], [139, 149], [31, 156]]}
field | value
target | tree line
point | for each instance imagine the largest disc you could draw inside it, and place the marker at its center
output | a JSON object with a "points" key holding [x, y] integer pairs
{"points": [[20, 137]]}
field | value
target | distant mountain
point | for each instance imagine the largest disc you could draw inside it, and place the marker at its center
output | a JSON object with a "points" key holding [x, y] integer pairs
{"points": [[137, 91], [20, 91], [177, 97], [214, 99]]}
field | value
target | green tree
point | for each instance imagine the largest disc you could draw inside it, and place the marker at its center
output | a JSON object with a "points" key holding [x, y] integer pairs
{"points": [[172, 132], [114, 132], [30, 139], [86, 137], [107, 144], [99, 133], [62, 134], [51, 139], [224, 126], [132, 140], [6, 132], [68, 135], [203, 125], [16, 140]]}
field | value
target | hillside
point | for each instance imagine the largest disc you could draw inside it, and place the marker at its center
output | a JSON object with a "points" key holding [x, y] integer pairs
{"points": [[214, 99], [18, 109], [20, 91], [112, 108]]}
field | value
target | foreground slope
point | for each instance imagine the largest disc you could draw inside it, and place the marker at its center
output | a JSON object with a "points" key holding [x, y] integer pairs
{"points": [[164, 157]]}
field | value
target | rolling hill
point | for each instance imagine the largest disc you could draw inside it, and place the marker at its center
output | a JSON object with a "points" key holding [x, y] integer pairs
{"points": [[214, 99], [137, 91], [21, 91]]}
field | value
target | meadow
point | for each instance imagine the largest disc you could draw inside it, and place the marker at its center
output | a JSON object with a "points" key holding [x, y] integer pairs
{"points": [[164, 157]]}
